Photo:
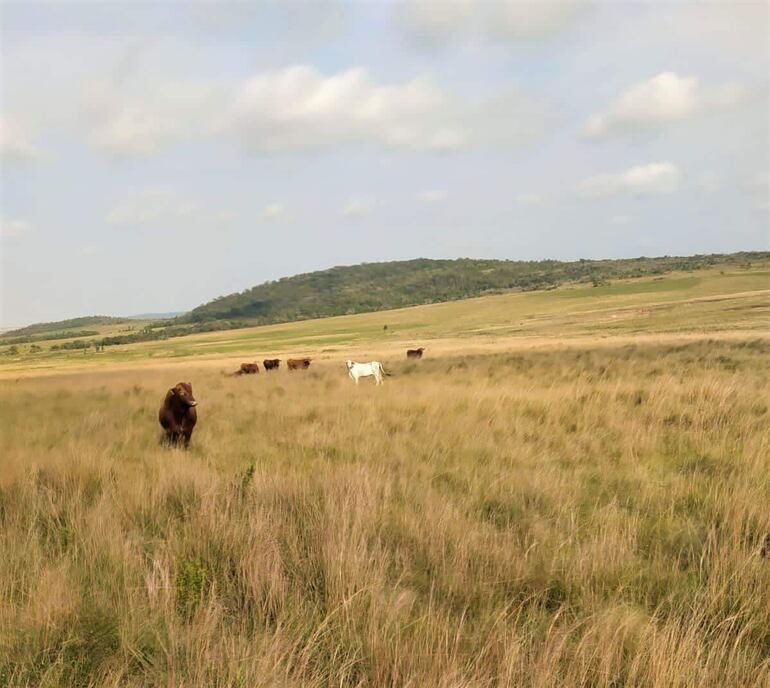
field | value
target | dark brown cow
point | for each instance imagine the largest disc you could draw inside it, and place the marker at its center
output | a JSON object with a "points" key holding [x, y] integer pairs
{"points": [[178, 414], [415, 353], [271, 363], [298, 363]]}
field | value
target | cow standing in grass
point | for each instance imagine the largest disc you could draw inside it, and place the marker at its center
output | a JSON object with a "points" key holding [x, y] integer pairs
{"points": [[178, 414], [373, 369]]}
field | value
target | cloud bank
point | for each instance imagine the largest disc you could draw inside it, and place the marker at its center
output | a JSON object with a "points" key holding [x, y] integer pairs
{"points": [[657, 178], [661, 100]]}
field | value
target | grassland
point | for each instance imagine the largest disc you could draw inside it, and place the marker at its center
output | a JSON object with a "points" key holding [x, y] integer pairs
{"points": [[706, 301], [570, 490]]}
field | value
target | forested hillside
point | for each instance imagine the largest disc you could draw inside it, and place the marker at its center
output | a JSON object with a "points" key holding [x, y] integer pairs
{"points": [[382, 286], [372, 287]]}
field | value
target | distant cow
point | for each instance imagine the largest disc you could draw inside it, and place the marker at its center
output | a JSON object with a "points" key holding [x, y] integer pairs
{"points": [[271, 363], [415, 353], [246, 369], [178, 414], [373, 369], [298, 363]]}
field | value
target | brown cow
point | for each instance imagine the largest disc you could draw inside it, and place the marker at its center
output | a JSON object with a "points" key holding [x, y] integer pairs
{"points": [[415, 353], [245, 369], [271, 363], [178, 414], [298, 363]]}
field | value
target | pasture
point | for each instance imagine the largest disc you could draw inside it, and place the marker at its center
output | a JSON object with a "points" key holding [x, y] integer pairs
{"points": [[551, 497], [706, 301]]}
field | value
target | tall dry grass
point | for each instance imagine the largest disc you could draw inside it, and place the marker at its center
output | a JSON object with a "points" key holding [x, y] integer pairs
{"points": [[577, 518]]}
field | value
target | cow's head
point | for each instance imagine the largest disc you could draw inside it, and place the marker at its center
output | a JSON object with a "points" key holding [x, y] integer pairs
{"points": [[349, 364], [183, 392]]}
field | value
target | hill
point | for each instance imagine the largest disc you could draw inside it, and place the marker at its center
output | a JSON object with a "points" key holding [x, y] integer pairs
{"points": [[382, 286], [713, 300], [369, 288], [60, 325], [59, 329]]}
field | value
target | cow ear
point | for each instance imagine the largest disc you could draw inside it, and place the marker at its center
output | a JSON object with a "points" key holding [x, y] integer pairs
{"points": [[172, 390]]}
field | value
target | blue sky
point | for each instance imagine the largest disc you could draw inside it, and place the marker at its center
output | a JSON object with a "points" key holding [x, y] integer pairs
{"points": [[156, 155]]}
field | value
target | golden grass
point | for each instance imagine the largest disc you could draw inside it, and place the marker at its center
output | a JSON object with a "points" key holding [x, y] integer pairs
{"points": [[707, 301], [582, 515]]}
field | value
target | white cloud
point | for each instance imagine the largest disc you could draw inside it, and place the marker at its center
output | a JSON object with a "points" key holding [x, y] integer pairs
{"points": [[16, 143], [530, 199], [143, 116], [432, 196], [300, 108], [13, 229], [436, 22], [663, 99], [357, 207], [272, 211], [131, 131], [132, 98], [621, 219], [653, 179]]}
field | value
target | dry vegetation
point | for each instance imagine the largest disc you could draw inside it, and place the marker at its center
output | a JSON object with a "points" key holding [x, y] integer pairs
{"points": [[582, 516]]}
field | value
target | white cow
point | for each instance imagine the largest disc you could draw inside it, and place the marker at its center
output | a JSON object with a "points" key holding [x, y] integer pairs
{"points": [[373, 369]]}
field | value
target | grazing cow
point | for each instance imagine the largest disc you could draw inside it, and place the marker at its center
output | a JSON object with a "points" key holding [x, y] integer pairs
{"points": [[373, 369], [298, 363], [271, 363], [415, 353], [178, 414], [246, 369]]}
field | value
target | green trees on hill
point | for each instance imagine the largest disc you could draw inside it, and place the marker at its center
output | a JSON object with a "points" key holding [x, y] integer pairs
{"points": [[378, 286], [382, 286]]}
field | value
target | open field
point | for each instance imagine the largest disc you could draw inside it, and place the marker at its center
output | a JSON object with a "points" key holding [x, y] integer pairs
{"points": [[571, 489], [708, 301]]}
